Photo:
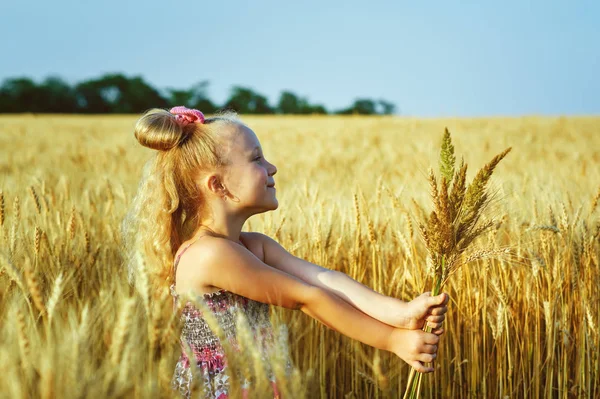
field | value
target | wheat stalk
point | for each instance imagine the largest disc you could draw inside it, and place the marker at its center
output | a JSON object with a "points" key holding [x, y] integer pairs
{"points": [[356, 212], [13, 230], [23, 340], [55, 296], [34, 287], [82, 331], [393, 198], [143, 282], [453, 224], [87, 241], [154, 325], [371, 231], [120, 331], [36, 241], [79, 336], [71, 224], [1, 208], [13, 273], [12, 245], [595, 201], [17, 208], [409, 224], [36, 200]]}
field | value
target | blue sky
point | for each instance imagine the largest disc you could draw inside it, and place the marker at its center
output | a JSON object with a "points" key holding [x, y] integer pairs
{"points": [[440, 59]]}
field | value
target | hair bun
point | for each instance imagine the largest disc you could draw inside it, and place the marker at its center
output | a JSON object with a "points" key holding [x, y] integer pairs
{"points": [[160, 130]]}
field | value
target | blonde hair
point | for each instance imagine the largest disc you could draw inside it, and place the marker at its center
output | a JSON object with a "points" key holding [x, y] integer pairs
{"points": [[167, 206]]}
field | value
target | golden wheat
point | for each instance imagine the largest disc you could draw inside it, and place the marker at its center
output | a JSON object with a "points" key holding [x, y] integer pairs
{"points": [[31, 279], [1, 208], [36, 241], [54, 296], [515, 328], [595, 201], [71, 224], [23, 339], [36, 200], [120, 331]]}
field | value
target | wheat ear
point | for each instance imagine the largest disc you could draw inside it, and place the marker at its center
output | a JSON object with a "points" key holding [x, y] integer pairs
{"points": [[23, 340], [36, 200], [34, 287], [55, 296], [120, 331], [1, 208]]}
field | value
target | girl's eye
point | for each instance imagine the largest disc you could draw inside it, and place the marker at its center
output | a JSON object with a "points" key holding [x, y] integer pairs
{"points": [[259, 157]]}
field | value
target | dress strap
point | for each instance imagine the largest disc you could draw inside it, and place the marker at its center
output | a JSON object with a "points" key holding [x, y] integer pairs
{"points": [[181, 253]]}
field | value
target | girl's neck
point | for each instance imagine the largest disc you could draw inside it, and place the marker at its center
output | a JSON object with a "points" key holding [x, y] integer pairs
{"points": [[204, 230]]}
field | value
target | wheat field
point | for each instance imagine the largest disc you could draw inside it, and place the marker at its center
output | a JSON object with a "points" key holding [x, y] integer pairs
{"points": [[351, 192]]}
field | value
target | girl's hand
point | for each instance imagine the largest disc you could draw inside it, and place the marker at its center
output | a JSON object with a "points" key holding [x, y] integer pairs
{"points": [[423, 309], [415, 347]]}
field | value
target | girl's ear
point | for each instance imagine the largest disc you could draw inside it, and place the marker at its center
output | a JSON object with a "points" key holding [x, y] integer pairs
{"points": [[216, 186]]}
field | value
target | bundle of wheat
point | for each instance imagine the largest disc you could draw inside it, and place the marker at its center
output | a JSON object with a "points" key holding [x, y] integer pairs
{"points": [[453, 225]]}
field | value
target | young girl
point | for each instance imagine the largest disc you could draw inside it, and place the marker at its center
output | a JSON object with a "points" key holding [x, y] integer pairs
{"points": [[209, 176]]}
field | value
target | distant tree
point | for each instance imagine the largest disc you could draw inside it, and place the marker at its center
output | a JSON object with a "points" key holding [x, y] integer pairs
{"points": [[90, 98], [20, 95], [343, 111], [116, 93], [200, 99], [246, 101], [387, 107], [206, 106], [366, 106], [318, 109], [180, 97], [290, 103], [57, 96]]}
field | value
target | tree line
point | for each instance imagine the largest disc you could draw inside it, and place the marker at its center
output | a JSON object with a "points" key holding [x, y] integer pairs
{"points": [[115, 93]]}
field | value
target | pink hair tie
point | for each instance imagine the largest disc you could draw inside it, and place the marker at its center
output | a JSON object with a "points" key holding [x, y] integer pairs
{"points": [[184, 115]]}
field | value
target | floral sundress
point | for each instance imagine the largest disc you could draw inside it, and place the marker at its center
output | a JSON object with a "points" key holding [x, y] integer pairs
{"points": [[209, 355]]}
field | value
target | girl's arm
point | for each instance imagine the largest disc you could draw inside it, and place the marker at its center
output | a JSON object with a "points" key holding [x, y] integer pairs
{"points": [[388, 310], [412, 346], [225, 264]]}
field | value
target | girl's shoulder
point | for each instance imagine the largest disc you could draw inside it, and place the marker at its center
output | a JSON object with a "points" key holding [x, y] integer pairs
{"points": [[253, 242], [187, 272]]}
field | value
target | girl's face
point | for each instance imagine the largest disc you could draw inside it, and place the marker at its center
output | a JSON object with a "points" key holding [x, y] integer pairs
{"points": [[249, 177]]}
